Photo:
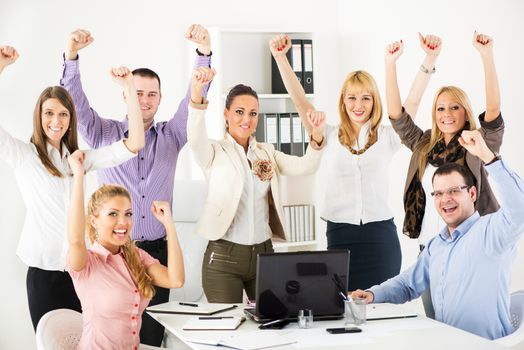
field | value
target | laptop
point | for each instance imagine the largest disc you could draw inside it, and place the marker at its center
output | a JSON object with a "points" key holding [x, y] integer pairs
{"points": [[289, 282]]}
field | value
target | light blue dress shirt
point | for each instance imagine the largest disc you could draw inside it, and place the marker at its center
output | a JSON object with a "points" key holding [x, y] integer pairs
{"points": [[469, 274]]}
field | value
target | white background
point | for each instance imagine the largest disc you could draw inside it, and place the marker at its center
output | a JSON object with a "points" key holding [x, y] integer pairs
{"points": [[348, 35]]}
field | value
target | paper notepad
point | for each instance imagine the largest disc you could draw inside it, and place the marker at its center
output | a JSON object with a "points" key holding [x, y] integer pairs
{"points": [[176, 307], [250, 340], [213, 323]]}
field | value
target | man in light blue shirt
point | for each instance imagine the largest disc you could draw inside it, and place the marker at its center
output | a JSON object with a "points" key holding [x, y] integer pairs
{"points": [[468, 264]]}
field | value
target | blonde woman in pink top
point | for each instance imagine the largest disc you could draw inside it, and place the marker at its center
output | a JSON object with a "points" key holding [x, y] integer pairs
{"points": [[114, 279]]}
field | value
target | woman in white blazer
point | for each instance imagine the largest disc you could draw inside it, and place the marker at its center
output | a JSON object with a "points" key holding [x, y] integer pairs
{"points": [[243, 212]]}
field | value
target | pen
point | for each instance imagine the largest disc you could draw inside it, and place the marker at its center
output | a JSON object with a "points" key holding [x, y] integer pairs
{"points": [[344, 296], [213, 317], [188, 304]]}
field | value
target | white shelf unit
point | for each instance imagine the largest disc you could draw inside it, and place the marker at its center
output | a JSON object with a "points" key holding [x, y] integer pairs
{"points": [[243, 57]]}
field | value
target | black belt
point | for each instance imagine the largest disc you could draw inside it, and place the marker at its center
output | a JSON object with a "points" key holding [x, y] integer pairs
{"points": [[157, 244]]}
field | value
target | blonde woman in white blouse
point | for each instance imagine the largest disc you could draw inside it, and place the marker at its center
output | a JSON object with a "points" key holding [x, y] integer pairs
{"points": [[359, 151], [243, 212], [44, 176]]}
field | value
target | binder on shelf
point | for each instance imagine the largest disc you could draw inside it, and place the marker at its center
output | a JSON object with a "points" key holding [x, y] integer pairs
{"points": [[300, 221], [297, 140], [284, 130], [294, 56], [307, 65], [267, 129]]}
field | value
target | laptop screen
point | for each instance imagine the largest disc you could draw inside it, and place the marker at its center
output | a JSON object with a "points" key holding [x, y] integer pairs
{"points": [[289, 282]]}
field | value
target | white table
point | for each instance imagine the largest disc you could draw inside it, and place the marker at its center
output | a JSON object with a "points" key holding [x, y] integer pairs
{"points": [[403, 334]]}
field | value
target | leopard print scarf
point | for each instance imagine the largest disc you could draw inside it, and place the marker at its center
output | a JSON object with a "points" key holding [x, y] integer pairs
{"points": [[415, 198]]}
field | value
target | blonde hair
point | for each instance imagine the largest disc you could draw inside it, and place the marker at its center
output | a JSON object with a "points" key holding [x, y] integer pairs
{"points": [[436, 135], [358, 82], [129, 250]]}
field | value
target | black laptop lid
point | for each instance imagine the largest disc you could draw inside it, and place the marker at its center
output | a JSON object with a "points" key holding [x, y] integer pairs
{"points": [[288, 282]]}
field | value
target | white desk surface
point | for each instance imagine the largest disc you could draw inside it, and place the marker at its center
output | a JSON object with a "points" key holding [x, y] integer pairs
{"points": [[403, 334]]}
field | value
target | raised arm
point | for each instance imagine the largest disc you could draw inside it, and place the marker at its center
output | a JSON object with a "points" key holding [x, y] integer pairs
{"points": [[196, 126], [293, 165], [484, 45], [95, 130], [279, 46], [172, 276], [394, 105], [431, 45], [136, 140], [178, 123], [77, 254], [507, 224]]}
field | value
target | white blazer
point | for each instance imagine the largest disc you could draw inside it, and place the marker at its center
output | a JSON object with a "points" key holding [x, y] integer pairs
{"points": [[223, 171]]}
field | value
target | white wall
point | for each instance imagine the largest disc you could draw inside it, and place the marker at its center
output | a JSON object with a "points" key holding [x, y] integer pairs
{"points": [[348, 35]]}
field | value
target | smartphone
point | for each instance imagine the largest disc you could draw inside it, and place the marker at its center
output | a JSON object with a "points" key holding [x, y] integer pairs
{"points": [[343, 330]]}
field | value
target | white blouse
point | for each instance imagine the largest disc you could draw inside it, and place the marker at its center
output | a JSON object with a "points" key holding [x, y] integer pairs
{"points": [[432, 223], [43, 241], [251, 222], [357, 185]]}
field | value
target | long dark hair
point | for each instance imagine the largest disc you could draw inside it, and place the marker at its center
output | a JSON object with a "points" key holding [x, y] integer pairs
{"points": [[39, 138]]}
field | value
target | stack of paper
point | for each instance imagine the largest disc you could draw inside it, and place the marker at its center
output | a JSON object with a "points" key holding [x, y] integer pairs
{"points": [[214, 323], [250, 340], [180, 307]]}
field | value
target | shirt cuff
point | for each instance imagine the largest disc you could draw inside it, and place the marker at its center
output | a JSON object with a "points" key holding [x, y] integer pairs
{"points": [[378, 296], [494, 124], [199, 106], [70, 68]]}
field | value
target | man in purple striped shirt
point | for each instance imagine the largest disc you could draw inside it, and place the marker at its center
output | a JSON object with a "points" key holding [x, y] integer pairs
{"points": [[150, 175]]}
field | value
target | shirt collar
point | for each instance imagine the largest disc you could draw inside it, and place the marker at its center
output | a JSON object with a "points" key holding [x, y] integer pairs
{"points": [[100, 250], [252, 143], [461, 229], [51, 149]]}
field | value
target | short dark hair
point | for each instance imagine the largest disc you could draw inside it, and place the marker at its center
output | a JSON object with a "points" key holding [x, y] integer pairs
{"points": [[239, 90], [448, 168], [147, 73]]}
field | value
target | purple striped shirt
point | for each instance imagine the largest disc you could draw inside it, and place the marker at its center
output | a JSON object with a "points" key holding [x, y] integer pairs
{"points": [[150, 175]]}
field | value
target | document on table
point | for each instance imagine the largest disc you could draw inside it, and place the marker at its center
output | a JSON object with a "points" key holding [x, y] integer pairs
{"points": [[213, 323], [181, 307], [250, 340]]}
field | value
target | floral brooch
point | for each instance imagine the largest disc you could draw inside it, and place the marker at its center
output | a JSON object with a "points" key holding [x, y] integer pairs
{"points": [[263, 169]]}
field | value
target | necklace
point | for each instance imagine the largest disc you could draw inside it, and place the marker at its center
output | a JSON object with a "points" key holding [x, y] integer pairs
{"points": [[360, 151]]}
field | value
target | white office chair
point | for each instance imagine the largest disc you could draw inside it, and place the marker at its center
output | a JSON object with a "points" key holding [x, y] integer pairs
{"points": [[516, 339], [61, 329]]}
